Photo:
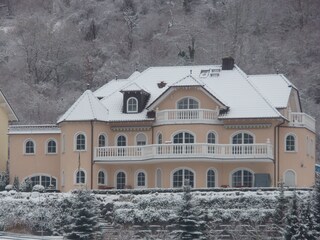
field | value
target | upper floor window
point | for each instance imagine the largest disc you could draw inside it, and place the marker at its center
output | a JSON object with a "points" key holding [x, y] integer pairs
{"points": [[102, 140], [290, 143], [80, 142], [187, 103], [141, 139], [132, 105], [242, 138], [159, 138], [211, 139], [29, 147], [181, 139], [80, 177], [51, 146]]}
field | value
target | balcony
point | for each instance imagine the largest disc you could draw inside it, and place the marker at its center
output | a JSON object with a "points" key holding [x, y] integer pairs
{"points": [[174, 116], [185, 152], [298, 119]]}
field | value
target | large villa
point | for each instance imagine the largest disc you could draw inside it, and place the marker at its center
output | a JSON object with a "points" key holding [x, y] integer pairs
{"points": [[212, 124]]}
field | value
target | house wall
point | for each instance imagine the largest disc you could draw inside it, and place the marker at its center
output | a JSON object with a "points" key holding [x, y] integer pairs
{"points": [[3, 139], [26, 165]]}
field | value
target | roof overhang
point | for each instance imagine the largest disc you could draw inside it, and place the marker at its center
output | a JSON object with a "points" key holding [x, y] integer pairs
{"points": [[7, 107]]}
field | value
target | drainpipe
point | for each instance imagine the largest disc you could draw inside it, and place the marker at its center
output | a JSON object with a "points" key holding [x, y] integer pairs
{"points": [[276, 153], [92, 154]]}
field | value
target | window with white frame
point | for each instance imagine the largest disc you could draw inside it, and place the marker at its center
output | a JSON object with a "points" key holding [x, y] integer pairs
{"points": [[242, 143], [158, 178], [180, 176], [80, 142], [121, 180], [211, 139], [211, 178], [141, 139], [181, 139], [80, 177], [242, 178], [121, 143], [102, 140], [44, 180], [29, 147], [187, 103], [101, 178], [141, 179], [290, 143], [52, 146], [132, 105]]}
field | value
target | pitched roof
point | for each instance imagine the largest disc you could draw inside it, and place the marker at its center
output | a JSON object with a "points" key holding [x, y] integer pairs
{"points": [[5, 104], [87, 107]]}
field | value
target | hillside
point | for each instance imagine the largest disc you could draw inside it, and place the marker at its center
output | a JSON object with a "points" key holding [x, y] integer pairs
{"points": [[50, 50]]}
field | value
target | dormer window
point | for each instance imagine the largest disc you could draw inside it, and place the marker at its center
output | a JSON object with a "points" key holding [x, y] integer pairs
{"points": [[132, 105]]}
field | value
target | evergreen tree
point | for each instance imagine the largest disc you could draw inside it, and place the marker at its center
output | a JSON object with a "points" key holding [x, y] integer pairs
{"points": [[292, 219], [84, 220], [306, 225], [188, 223], [316, 204], [279, 216], [16, 183]]}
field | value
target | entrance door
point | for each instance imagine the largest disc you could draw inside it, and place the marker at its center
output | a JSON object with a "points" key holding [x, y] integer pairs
{"points": [[290, 179]]}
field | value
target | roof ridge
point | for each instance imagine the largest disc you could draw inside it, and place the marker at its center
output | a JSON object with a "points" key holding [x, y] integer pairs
{"points": [[91, 108]]}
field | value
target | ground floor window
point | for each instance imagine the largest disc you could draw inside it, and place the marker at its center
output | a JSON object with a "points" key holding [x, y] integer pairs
{"points": [[101, 178], [80, 177], [211, 179], [242, 178], [45, 181], [121, 180], [180, 176], [290, 178], [141, 179]]}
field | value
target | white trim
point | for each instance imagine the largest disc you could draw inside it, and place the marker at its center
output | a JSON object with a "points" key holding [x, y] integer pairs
{"points": [[243, 131], [63, 178], [216, 136], [183, 168], [75, 176], [115, 177], [105, 138], [75, 142], [295, 176], [157, 137], [136, 178], [242, 169], [24, 147], [46, 146], [156, 179], [135, 138], [116, 139], [189, 97], [137, 105], [295, 142], [215, 177], [183, 131], [105, 177], [63, 143], [42, 174]]}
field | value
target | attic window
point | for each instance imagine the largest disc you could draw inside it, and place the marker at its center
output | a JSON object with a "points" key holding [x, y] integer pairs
{"points": [[162, 84], [215, 72], [204, 73], [132, 105]]}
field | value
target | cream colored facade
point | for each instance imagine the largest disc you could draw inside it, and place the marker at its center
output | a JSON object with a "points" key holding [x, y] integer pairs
{"points": [[163, 151]]}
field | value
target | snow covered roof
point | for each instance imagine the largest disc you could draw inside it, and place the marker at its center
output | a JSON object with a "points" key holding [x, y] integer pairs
{"points": [[245, 96], [8, 109], [34, 129], [275, 87], [87, 107]]}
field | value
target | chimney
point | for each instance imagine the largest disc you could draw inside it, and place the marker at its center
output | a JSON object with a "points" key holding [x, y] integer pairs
{"points": [[227, 63]]}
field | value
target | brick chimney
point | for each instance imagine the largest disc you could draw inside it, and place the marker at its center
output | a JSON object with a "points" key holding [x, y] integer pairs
{"points": [[227, 63]]}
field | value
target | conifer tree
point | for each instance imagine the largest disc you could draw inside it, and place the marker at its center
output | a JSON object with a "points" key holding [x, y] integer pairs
{"points": [[84, 219], [188, 223], [316, 203], [306, 224], [16, 183], [279, 216], [292, 219]]}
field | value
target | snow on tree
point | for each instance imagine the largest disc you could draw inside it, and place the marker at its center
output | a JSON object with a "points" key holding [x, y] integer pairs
{"points": [[316, 204], [84, 219], [280, 209], [189, 226], [292, 219], [16, 183]]}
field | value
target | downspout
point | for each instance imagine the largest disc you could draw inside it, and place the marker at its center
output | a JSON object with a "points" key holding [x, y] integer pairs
{"points": [[91, 184], [276, 153]]}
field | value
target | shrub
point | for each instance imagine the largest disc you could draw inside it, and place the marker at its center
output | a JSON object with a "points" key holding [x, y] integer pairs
{"points": [[38, 188]]}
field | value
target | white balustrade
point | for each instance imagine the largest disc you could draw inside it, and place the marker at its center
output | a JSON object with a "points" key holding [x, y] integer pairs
{"points": [[298, 119]]}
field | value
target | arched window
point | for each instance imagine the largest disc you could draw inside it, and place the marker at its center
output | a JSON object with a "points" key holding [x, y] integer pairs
{"points": [[290, 178], [187, 103], [121, 180], [80, 177], [102, 140], [158, 178], [242, 178], [121, 142], [180, 176], [211, 139], [290, 143], [159, 141], [141, 139], [211, 178], [101, 178], [181, 139], [29, 147], [141, 179], [44, 180], [240, 140], [132, 105], [52, 146], [80, 142]]}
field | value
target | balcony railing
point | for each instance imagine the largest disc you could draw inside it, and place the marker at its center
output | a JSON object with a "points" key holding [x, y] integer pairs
{"points": [[298, 119], [185, 151], [186, 115]]}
